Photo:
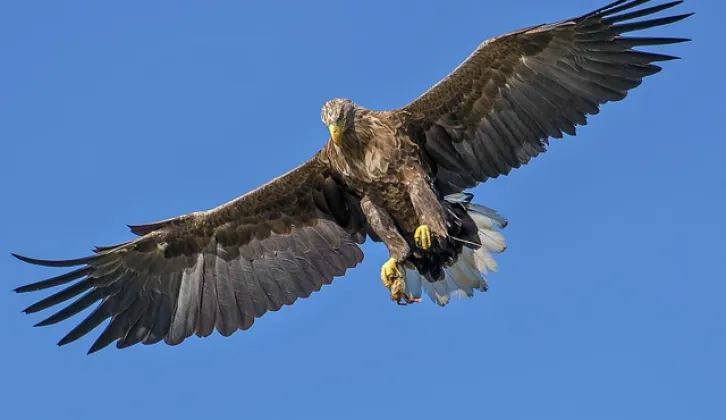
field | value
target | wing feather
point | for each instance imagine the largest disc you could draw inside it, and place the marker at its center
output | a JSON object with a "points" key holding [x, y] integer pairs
{"points": [[499, 108], [214, 270]]}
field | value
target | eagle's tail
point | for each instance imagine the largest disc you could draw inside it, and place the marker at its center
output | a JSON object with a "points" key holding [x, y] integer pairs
{"points": [[477, 233]]}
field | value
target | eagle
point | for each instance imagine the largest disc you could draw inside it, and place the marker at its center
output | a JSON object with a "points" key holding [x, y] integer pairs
{"points": [[399, 177]]}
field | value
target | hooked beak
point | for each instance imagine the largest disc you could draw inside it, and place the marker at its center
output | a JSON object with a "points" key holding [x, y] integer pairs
{"points": [[334, 133]]}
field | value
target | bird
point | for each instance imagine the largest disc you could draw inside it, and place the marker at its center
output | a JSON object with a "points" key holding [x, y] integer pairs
{"points": [[398, 177]]}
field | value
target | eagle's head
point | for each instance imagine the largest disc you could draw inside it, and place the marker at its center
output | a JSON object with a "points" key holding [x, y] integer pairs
{"points": [[337, 114]]}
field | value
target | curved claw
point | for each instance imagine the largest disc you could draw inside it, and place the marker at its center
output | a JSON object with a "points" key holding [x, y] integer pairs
{"points": [[392, 278], [422, 237], [404, 300]]}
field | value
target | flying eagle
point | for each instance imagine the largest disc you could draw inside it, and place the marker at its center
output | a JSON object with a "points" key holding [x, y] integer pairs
{"points": [[397, 177]]}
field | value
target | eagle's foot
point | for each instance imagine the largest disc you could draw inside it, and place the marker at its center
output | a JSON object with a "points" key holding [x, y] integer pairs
{"points": [[422, 237], [391, 275], [392, 278]]}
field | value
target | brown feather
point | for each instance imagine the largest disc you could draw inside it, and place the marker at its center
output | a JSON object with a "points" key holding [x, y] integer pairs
{"points": [[218, 269], [519, 89]]}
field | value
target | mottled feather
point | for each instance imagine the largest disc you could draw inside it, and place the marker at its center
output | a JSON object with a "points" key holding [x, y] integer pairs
{"points": [[213, 270], [497, 110]]}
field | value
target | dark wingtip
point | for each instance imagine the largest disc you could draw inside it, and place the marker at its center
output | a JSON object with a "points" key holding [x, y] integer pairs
{"points": [[104, 248], [678, 40], [21, 289], [679, 18], [20, 257], [43, 323], [135, 229], [52, 263], [36, 307], [55, 281], [143, 229], [65, 340]]}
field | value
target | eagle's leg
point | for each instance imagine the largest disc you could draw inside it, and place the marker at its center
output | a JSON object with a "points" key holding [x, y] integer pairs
{"points": [[392, 272], [429, 212]]}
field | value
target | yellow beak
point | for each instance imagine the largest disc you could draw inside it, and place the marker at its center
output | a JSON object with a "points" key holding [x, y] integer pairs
{"points": [[334, 133]]}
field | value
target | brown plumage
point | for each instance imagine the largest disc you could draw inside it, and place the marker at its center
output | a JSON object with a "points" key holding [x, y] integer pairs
{"points": [[394, 176]]}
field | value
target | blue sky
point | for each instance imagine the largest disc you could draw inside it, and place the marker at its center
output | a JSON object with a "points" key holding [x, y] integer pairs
{"points": [[609, 300]]}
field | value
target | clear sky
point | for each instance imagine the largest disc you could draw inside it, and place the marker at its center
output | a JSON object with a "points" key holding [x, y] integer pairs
{"points": [[609, 303]]}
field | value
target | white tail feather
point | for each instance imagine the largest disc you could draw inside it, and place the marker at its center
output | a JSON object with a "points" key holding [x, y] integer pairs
{"points": [[470, 276], [486, 211], [455, 290], [469, 272], [462, 279], [458, 279], [413, 284], [484, 261], [492, 240], [437, 291]]}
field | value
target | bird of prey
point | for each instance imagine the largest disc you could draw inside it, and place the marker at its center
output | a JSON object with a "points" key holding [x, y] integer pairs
{"points": [[396, 176]]}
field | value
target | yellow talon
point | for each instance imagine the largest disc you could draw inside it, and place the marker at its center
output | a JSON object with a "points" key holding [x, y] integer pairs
{"points": [[392, 278], [390, 273], [422, 236]]}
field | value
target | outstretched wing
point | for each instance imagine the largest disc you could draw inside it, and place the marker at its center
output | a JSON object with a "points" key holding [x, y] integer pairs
{"points": [[498, 109], [220, 268]]}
